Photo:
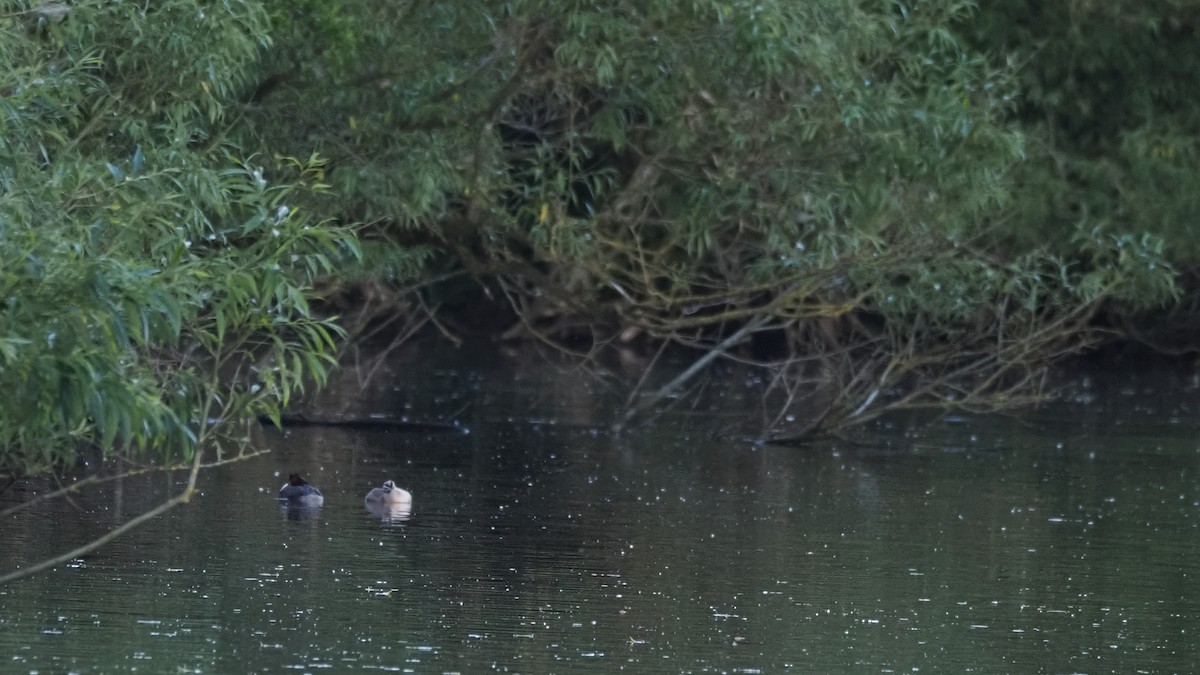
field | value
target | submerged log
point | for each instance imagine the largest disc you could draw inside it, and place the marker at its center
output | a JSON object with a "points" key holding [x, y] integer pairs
{"points": [[365, 424]]}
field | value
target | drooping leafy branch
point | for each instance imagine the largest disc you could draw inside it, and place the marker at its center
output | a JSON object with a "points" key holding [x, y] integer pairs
{"points": [[834, 173], [145, 262]]}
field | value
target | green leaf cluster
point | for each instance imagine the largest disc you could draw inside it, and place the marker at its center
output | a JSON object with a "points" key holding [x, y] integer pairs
{"points": [[146, 262], [934, 170], [1107, 93], [644, 159]]}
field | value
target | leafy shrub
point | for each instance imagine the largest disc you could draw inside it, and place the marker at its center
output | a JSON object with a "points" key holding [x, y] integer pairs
{"points": [[145, 261]]}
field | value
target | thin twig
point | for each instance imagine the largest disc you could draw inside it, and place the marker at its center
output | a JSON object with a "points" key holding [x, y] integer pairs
{"points": [[645, 374], [691, 371], [77, 485], [181, 498], [96, 480]]}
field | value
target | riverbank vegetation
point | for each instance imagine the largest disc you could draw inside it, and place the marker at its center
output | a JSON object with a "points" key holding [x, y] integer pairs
{"points": [[882, 204]]}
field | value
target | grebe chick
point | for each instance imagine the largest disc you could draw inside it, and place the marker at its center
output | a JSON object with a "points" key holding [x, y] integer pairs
{"points": [[389, 494]]}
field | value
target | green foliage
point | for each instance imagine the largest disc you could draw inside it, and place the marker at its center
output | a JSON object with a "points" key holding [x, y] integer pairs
{"points": [[144, 262], [1106, 100], [956, 174], [678, 152]]}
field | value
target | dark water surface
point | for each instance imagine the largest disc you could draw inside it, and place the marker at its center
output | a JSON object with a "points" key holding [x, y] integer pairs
{"points": [[1062, 541]]}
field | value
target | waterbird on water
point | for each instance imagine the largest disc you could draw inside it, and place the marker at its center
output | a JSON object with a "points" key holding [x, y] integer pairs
{"points": [[390, 503], [389, 494], [298, 492]]}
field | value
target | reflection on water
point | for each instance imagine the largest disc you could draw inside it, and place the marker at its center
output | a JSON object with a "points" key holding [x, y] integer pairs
{"points": [[1065, 541], [390, 513], [294, 512]]}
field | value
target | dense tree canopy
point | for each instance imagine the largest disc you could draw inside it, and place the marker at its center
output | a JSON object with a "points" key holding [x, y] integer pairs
{"points": [[1107, 95], [905, 203], [144, 260]]}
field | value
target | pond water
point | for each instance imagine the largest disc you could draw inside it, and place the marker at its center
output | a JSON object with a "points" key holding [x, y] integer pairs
{"points": [[1062, 540]]}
